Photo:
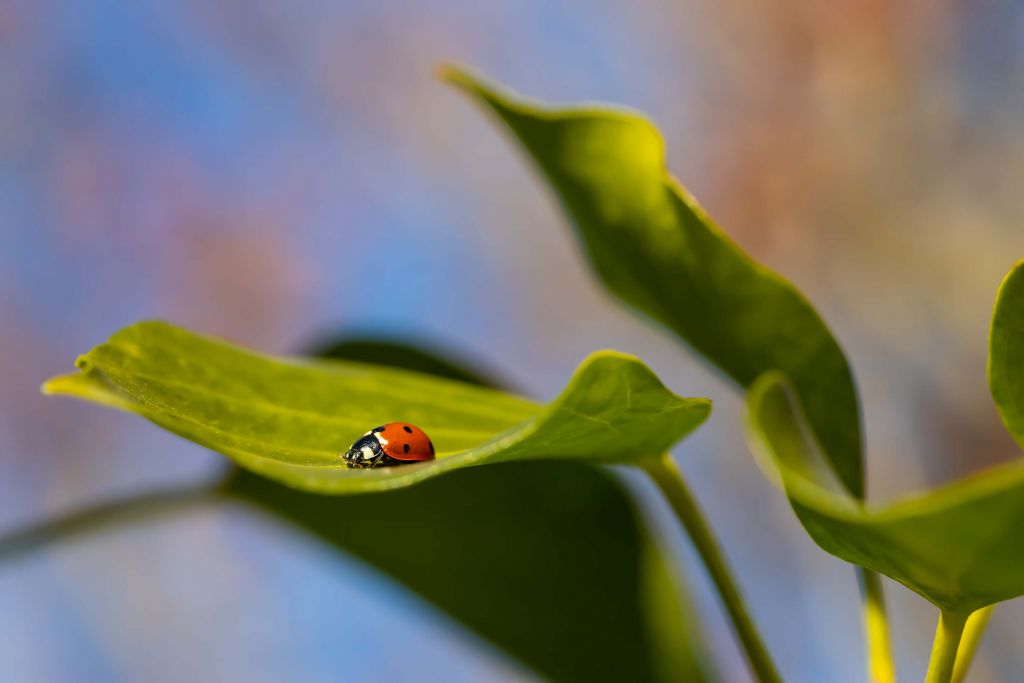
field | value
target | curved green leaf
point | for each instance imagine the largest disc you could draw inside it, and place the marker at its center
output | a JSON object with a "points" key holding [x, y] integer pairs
{"points": [[495, 574], [654, 247], [1006, 353], [958, 546], [289, 419], [521, 576]]}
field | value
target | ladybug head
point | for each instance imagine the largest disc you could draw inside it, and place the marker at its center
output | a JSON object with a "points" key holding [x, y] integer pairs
{"points": [[365, 452]]}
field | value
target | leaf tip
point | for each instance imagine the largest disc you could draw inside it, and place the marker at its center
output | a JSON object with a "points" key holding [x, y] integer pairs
{"points": [[61, 383], [447, 72], [760, 403], [766, 382], [56, 385], [467, 80]]}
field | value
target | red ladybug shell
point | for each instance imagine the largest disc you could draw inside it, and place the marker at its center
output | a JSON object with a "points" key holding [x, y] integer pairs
{"points": [[405, 442]]}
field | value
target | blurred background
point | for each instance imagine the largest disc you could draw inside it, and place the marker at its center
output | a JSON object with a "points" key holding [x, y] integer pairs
{"points": [[240, 168]]}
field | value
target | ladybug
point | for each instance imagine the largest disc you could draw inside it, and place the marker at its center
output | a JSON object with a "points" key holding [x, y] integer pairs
{"points": [[396, 443]]}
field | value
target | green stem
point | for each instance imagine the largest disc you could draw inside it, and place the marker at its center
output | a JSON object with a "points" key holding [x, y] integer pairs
{"points": [[976, 624], [103, 515], [947, 642], [880, 663], [668, 478]]}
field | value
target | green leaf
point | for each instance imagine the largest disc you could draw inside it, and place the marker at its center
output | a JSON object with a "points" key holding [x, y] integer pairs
{"points": [[958, 546], [1006, 353], [549, 561], [397, 354], [289, 419], [654, 247], [498, 580]]}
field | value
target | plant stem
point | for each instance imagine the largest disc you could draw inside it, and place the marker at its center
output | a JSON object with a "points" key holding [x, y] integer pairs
{"points": [[97, 517], [668, 478], [976, 624], [880, 663], [947, 641]]}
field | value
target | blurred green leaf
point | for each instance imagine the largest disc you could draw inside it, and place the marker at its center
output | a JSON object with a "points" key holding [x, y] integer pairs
{"points": [[655, 248], [289, 419], [958, 546], [398, 354], [1006, 353], [549, 561]]}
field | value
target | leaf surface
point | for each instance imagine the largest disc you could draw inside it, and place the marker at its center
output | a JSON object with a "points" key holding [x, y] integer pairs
{"points": [[1006, 353], [549, 561], [288, 419], [523, 577], [958, 546], [654, 247]]}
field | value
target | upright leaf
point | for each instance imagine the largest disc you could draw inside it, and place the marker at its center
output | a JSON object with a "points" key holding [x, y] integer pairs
{"points": [[653, 246], [289, 419], [1006, 353]]}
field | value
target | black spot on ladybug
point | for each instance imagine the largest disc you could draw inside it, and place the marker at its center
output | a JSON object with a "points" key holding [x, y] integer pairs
{"points": [[408, 429], [405, 447]]}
